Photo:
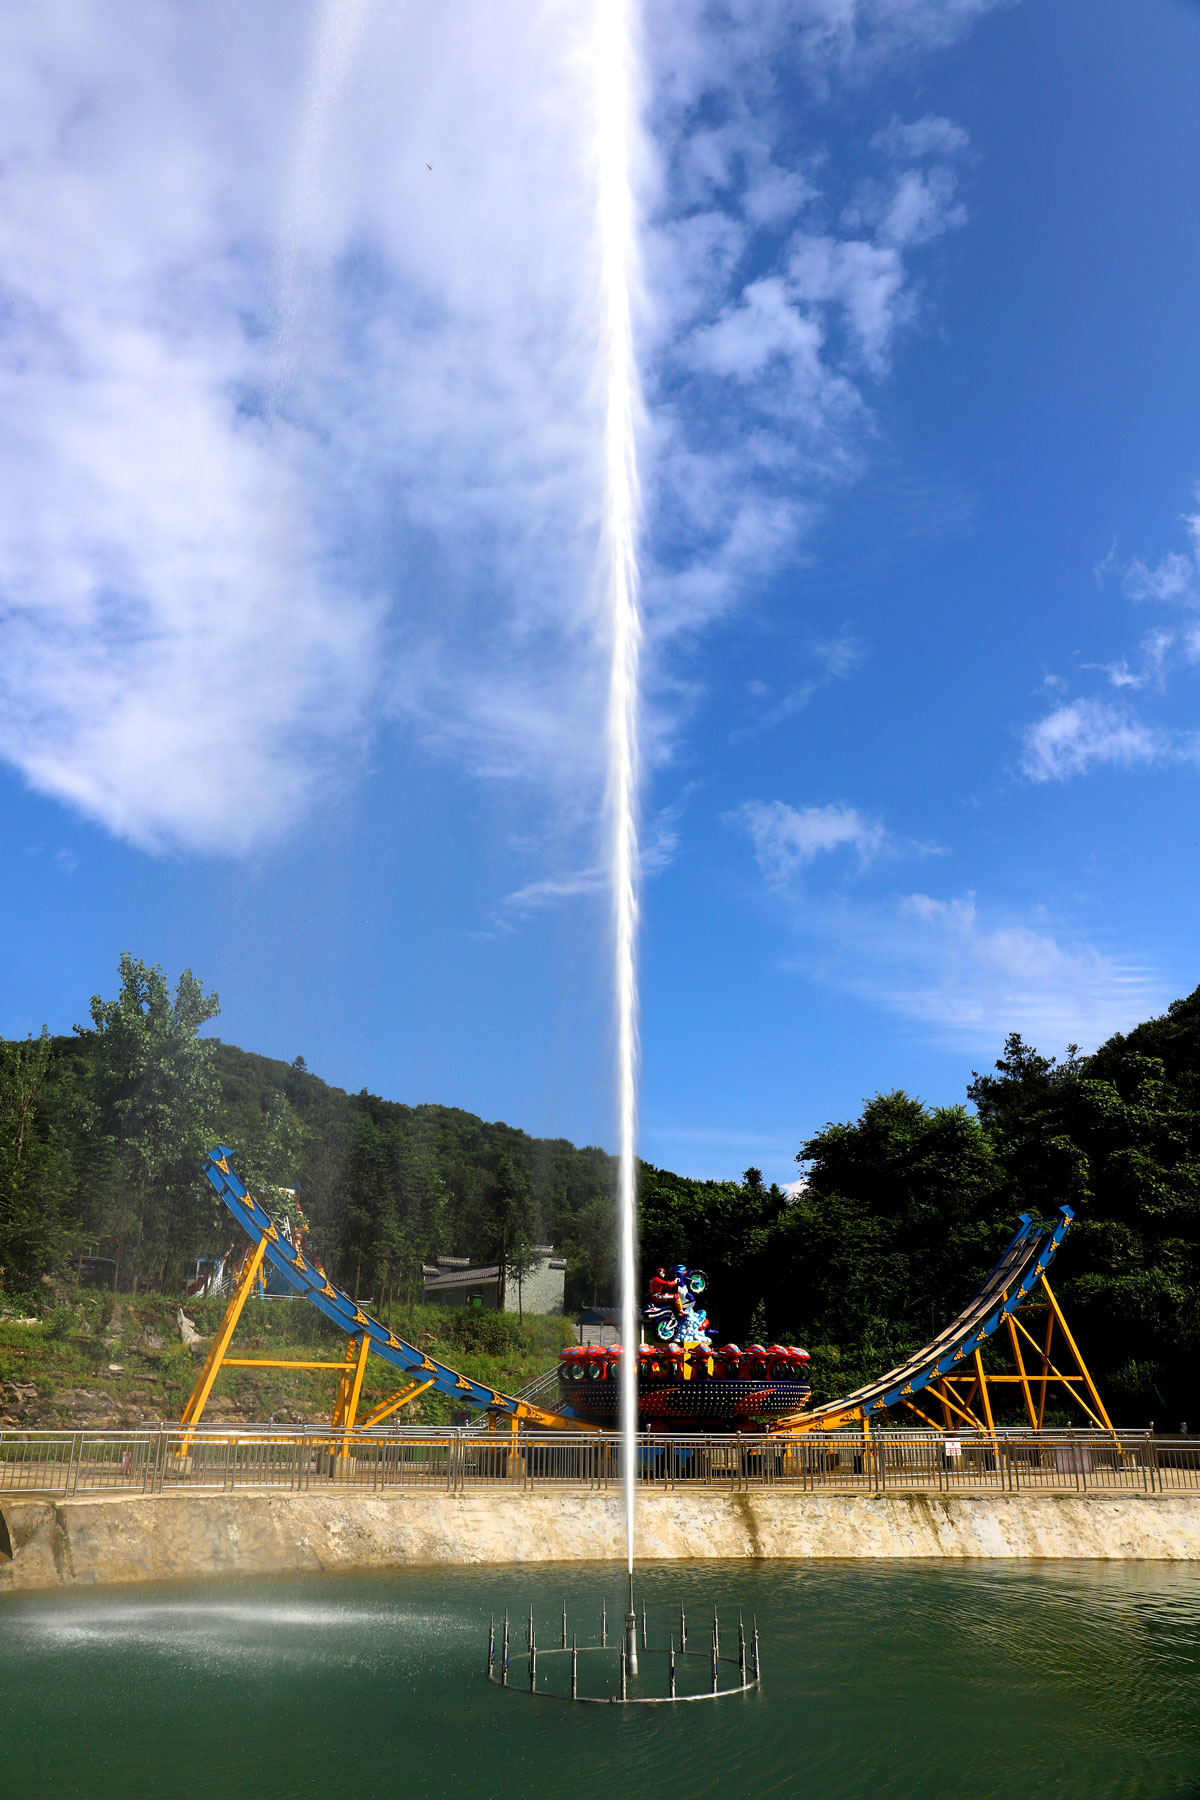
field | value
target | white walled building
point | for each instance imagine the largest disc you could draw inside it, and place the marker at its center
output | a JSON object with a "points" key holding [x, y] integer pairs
{"points": [[456, 1281]]}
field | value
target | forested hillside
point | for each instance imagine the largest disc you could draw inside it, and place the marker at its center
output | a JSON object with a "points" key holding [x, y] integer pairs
{"points": [[103, 1135], [902, 1212]]}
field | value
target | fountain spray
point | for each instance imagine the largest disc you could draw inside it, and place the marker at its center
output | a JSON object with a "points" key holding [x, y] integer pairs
{"points": [[616, 220]]}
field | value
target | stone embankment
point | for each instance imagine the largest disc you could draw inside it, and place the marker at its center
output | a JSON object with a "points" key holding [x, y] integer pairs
{"points": [[47, 1543]]}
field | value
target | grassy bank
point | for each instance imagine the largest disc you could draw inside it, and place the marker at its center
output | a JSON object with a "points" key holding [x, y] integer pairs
{"points": [[96, 1359]]}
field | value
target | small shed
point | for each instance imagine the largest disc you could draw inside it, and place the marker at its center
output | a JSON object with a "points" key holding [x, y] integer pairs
{"points": [[599, 1325]]}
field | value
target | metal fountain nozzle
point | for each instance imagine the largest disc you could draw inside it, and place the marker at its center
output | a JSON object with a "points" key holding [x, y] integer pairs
{"points": [[631, 1647]]}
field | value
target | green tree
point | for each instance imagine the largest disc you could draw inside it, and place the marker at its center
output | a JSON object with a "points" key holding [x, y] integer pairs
{"points": [[513, 1227], [1116, 1136], [156, 1099], [727, 1228], [37, 1179], [902, 1214], [590, 1241]]}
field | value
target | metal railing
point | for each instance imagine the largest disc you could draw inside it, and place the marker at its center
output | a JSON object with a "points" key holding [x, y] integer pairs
{"points": [[543, 1390], [220, 1459]]}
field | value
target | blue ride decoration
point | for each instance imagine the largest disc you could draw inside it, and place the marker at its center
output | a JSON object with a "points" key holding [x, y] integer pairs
{"points": [[671, 1312]]}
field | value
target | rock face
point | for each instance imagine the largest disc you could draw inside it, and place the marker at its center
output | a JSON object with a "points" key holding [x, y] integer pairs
{"points": [[50, 1544]]}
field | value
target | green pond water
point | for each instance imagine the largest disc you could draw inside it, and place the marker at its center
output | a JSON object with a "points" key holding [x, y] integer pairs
{"points": [[896, 1682]]}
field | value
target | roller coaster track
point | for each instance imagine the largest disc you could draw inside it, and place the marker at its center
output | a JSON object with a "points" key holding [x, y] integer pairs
{"points": [[349, 1317], [1017, 1273]]}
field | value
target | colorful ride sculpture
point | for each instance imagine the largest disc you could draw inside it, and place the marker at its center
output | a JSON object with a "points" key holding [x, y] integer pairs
{"points": [[683, 1379]]}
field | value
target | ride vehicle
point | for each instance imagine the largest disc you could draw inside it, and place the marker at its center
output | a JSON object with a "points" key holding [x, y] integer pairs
{"points": [[683, 1378]]}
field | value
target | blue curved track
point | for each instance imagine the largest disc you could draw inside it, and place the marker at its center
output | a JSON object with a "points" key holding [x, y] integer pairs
{"points": [[350, 1318], [1018, 1271]]}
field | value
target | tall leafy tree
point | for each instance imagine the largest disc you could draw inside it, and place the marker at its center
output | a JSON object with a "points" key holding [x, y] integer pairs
{"points": [[37, 1178], [157, 1104], [513, 1227], [901, 1215]]}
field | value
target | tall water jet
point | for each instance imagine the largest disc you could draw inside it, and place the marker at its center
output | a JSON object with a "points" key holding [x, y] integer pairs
{"points": [[613, 61]]}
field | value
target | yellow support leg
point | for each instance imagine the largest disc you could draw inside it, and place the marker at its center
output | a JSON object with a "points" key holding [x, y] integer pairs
{"points": [[986, 1398], [395, 1402], [1021, 1371], [346, 1406], [1079, 1362], [220, 1344], [1052, 1373]]}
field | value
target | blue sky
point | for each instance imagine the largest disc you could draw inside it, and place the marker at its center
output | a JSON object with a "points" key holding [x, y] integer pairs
{"points": [[300, 674]]}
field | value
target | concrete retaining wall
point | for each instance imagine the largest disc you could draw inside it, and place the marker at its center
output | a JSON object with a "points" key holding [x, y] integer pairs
{"points": [[56, 1543]]}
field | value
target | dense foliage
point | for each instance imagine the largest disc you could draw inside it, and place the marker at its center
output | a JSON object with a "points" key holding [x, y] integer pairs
{"points": [[900, 1215]]}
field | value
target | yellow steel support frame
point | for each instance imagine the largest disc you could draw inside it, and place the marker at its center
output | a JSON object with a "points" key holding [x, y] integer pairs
{"points": [[1043, 1375], [345, 1407], [956, 1400], [1022, 1376], [515, 1461], [394, 1402], [220, 1344], [352, 1366]]}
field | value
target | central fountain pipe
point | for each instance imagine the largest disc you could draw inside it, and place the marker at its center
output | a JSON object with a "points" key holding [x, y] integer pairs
{"points": [[631, 1633], [613, 57]]}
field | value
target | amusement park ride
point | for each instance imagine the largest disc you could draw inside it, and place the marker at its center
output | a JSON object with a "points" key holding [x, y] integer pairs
{"points": [[684, 1381]]}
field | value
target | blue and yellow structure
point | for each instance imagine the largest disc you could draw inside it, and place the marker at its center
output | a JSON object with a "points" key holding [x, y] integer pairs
{"points": [[945, 1385], [364, 1335]]}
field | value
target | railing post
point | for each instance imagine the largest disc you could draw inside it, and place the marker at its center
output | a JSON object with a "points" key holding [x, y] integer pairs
{"points": [[73, 1456], [1155, 1471], [153, 1455]]}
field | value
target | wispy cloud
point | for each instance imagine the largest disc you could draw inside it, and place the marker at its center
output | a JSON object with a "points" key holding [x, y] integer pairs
{"points": [[835, 659], [1079, 735], [787, 838], [1174, 577], [969, 974], [770, 326], [966, 973], [1084, 734], [660, 845]]}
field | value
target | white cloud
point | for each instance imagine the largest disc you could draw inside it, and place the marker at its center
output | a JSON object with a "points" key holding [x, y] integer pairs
{"points": [[930, 136], [970, 976], [256, 399], [1176, 576], [297, 431], [787, 838], [767, 328], [1151, 664], [834, 659], [660, 845], [1084, 733], [1089, 733]]}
